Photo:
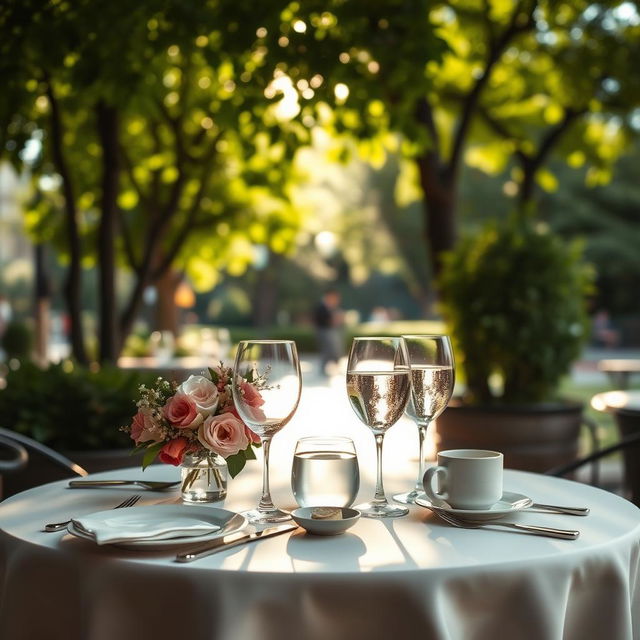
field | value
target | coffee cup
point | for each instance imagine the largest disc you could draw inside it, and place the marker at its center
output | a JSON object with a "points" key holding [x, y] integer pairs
{"points": [[466, 478]]}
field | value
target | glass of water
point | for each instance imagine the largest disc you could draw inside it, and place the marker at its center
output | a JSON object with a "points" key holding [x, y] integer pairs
{"points": [[325, 472]]}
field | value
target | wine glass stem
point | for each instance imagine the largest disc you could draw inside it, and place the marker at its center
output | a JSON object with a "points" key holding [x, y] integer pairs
{"points": [[266, 504], [379, 497], [422, 435]]}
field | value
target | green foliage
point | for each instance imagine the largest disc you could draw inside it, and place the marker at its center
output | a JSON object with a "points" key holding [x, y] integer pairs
{"points": [[70, 408], [514, 296], [304, 336], [17, 340], [607, 218], [172, 117]]}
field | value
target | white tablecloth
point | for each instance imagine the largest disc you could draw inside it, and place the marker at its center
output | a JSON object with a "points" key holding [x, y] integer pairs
{"points": [[413, 577]]}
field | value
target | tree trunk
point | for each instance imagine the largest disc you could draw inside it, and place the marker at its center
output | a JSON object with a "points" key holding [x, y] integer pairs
{"points": [[42, 306], [108, 133], [265, 297], [167, 313], [73, 282], [440, 224]]}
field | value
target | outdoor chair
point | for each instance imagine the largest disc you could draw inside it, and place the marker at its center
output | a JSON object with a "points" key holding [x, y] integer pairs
{"points": [[19, 472], [629, 445]]}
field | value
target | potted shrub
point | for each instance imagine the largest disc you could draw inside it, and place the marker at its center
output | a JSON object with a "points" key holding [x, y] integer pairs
{"points": [[74, 410], [515, 299]]}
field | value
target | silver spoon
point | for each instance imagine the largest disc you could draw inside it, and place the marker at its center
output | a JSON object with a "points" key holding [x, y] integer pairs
{"points": [[153, 485], [565, 534], [52, 527]]}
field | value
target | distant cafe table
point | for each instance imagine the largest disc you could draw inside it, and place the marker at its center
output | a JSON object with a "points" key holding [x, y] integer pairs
{"points": [[413, 577], [620, 370], [625, 407]]}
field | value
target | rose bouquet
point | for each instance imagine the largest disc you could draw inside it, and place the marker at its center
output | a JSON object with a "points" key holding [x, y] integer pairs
{"points": [[197, 417]]}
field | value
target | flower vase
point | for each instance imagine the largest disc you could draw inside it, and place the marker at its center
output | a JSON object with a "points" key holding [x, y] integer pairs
{"points": [[204, 478]]}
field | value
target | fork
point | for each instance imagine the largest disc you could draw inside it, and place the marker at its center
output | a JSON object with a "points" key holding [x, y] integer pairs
{"points": [[58, 526], [565, 534]]}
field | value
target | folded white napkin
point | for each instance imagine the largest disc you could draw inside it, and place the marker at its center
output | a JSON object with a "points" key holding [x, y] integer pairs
{"points": [[108, 530]]}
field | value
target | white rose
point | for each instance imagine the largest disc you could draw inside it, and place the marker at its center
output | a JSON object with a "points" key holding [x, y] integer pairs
{"points": [[203, 392]]}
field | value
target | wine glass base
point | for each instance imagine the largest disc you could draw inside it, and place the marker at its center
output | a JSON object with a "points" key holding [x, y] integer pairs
{"points": [[384, 510], [255, 516], [410, 497]]}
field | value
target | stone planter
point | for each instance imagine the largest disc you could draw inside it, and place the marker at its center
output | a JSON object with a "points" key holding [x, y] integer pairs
{"points": [[531, 437]]}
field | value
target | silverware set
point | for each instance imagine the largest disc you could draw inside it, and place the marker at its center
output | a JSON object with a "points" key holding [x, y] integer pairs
{"points": [[550, 532], [465, 521]]}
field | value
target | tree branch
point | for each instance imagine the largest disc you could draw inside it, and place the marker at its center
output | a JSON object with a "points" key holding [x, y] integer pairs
{"points": [[497, 126], [554, 134], [187, 226], [424, 114], [521, 21], [532, 163]]}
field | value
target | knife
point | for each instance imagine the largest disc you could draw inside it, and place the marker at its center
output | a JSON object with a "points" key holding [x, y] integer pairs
{"points": [[232, 540], [572, 511]]}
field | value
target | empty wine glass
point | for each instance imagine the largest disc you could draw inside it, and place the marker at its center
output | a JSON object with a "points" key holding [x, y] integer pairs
{"points": [[272, 369], [378, 386], [432, 381]]}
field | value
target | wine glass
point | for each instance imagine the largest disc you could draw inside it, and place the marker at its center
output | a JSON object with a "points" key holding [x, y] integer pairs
{"points": [[273, 368], [378, 386], [432, 381]]}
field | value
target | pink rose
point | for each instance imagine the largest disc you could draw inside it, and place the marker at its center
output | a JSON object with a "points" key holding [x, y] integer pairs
{"points": [[173, 451], [253, 437], [181, 411], [143, 428], [223, 434], [250, 395], [231, 408], [203, 392]]}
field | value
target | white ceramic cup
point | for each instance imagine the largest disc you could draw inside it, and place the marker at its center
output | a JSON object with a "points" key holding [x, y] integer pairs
{"points": [[466, 478]]}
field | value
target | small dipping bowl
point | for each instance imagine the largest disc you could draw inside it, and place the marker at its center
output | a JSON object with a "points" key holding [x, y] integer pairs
{"points": [[325, 526]]}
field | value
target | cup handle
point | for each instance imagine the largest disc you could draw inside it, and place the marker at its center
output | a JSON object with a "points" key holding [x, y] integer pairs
{"points": [[429, 476]]}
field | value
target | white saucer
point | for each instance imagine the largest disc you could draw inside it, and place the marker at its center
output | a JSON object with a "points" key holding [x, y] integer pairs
{"points": [[509, 503], [228, 521]]}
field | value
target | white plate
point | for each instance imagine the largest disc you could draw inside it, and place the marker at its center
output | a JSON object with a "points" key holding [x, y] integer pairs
{"points": [[509, 503], [228, 521]]}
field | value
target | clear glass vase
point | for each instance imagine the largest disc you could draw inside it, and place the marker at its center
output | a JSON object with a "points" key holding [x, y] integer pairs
{"points": [[204, 477]]}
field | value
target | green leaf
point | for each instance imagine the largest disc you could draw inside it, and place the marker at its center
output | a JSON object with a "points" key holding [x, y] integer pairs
{"points": [[235, 463], [151, 453], [214, 375], [249, 453]]}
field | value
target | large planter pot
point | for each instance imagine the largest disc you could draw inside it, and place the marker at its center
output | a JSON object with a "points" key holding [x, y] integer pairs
{"points": [[41, 470], [531, 437]]}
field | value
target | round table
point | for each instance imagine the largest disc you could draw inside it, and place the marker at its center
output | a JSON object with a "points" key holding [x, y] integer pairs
{"points": [[412, 577]]}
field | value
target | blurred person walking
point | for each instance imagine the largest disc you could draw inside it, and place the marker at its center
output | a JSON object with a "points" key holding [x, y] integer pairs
{"points": [[328, 320]]}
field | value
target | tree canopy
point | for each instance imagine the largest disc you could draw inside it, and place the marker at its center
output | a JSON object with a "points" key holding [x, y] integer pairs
{"points": [[151, 143], [493, 84]]}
